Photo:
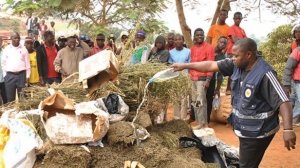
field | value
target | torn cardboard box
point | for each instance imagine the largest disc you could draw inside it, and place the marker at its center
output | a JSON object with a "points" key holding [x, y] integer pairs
{"points": [[65, 126], [98, 69]]}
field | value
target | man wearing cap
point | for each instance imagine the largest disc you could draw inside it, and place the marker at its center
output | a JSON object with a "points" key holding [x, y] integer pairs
{"points": [[140, 54], [46, 53], [16, 67], [124, 37], [111, 45], [34, 74], [100, 44]]}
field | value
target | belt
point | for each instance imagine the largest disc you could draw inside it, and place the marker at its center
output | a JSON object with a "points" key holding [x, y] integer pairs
{"points": [[257, 116], [16, 73]]}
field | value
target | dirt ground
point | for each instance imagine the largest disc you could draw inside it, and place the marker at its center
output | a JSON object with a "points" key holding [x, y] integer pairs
{"points": [[276, 156]]}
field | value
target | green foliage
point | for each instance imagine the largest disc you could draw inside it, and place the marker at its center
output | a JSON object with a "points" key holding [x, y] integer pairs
{"points": [[277, 48], [103, 14]]}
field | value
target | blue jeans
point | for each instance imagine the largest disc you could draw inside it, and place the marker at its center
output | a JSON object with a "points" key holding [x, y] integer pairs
{"points": [[296, 110]]}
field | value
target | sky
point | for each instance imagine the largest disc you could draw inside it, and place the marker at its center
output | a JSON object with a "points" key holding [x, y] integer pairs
{"points": [[198, 18]]}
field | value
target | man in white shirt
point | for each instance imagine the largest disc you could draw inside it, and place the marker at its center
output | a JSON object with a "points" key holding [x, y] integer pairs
{"points": [[16, 67]]}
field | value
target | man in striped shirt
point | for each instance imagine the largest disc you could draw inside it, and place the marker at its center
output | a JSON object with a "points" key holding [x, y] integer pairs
{"points": [[257, 99]]}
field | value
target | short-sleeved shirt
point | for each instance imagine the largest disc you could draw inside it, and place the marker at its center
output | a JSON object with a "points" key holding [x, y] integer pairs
{"points": [[202, 52], [270, 88], [180, 56], [218, 57], [234, 31], [216, 31]]}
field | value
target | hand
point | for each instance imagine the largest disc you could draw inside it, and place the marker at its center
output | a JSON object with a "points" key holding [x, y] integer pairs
{"points": [[289, 138], [63, 73], [217, 92], [287, 90], [178, 66], [154, 50], [27, 82], [206, 84]]}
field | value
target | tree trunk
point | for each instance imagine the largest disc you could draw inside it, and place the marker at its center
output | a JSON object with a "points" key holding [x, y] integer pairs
{"points": [[186, 31], [222, 4], [217, 11]]}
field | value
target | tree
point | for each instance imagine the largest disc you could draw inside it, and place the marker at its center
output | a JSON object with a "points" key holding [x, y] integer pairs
{"points": [[99, 13], [277, 47], [185, 29], [289, 8]]}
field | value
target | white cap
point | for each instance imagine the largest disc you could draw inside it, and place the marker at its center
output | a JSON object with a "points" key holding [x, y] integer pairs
{"points": [[124, 33]]}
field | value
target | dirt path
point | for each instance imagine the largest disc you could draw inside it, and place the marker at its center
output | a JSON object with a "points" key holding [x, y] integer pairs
{"points": [[276, 155]]}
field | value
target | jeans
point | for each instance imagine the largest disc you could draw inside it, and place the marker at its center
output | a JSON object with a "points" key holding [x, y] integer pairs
{"points": [[296, 110], [199, 101]]}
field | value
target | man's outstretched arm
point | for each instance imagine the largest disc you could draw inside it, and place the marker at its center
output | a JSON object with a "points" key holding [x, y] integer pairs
{"points": [[204, 66]]}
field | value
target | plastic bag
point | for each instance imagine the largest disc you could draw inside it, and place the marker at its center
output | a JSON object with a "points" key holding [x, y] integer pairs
{"points": [[111, 103], [122, 109], [164, 75]]}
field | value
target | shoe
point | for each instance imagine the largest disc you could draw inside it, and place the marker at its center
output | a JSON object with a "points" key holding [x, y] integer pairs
{"points": [[228, 92]]}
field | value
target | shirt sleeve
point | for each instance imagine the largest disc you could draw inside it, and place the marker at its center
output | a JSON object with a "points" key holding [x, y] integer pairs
{"points": [[272, 91], [3, 62], [226, 66], [288, 71], [57, 62]]}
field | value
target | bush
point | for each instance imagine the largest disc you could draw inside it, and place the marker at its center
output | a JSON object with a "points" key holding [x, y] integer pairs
{"points": [[277, 48]]}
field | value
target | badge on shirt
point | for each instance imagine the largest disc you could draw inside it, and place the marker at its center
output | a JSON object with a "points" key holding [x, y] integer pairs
{"points": [[248, 92]]}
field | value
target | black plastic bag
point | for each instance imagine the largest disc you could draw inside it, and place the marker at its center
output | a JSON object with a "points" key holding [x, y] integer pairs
{"points": [[111, 103], [209, 154]]}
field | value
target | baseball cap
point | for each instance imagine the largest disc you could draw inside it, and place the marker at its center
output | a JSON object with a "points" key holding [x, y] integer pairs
{"points": [[141, 33], [124, 33]]}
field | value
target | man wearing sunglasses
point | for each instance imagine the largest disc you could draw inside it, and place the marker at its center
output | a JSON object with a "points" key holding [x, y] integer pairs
{"points": [[100, 44]]}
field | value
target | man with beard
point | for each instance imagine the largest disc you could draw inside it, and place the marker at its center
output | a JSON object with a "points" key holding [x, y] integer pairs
{"points": [[200, 51], [257, 99], [16, 67]]}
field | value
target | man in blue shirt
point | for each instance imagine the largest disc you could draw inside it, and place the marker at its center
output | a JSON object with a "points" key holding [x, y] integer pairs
{"points": [[179, 54]]}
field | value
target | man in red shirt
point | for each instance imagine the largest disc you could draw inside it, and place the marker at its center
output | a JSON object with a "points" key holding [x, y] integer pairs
{"points": [[46, 54], [235, 33], [100, 44], [200, 51]]}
